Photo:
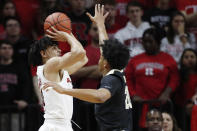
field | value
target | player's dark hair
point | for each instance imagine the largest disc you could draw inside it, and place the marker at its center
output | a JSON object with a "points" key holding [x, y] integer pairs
{"points": [[184, 71], [35, 57], [156, 33], [133, 3], [10, 18], [116, 54]]}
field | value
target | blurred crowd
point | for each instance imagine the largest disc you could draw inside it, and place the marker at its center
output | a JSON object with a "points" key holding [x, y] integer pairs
{"points": [[161, 74]]}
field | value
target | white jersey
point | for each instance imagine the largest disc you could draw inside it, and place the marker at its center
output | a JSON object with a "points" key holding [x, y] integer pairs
{"points": [[175, 49], [56, 105], [132, 37]]}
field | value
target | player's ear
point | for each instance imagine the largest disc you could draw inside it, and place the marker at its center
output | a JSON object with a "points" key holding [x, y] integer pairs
{"points": [[43, 54], [106, 64]]}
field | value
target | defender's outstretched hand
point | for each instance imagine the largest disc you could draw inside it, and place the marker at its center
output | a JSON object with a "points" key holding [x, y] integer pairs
{"points": [[99, 17], [55, 86]]}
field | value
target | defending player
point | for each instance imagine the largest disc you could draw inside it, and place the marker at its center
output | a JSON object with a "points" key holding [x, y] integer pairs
{"points": [[113, 105], [45, 54]]}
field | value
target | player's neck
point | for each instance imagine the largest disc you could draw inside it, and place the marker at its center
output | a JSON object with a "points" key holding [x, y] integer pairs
{"points": [[6, 61], [13, 39]]}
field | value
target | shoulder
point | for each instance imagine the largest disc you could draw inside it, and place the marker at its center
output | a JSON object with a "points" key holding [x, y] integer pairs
{"points": [[52, 63], [111, 79], [139, 56], [166, 56]]}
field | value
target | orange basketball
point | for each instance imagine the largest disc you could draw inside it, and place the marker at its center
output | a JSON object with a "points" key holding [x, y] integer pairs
{"points": [[58, 20]]}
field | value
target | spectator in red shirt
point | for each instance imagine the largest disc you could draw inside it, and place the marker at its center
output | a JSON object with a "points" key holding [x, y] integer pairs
{"points": [[151, 75], [143, 71], [188, 87]]}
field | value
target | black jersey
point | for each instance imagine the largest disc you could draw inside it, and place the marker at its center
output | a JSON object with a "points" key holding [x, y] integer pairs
{"points": [[115, 113]]}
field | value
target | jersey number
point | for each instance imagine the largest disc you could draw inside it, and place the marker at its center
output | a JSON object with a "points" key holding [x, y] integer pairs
{"points": [[149, 72], [127, 99]]}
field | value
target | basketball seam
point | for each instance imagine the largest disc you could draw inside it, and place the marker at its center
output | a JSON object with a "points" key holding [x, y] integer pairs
{"points": [[56, 23], [53, 21], [64, 27]]}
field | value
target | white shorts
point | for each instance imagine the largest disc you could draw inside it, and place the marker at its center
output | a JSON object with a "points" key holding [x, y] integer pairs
{"points": [[56, 125]]}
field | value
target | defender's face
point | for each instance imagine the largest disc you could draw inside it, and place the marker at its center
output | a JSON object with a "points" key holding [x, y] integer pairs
{"points": [[102, 62], [167, 122]]}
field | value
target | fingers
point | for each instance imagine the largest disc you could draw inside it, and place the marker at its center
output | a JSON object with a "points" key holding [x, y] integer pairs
{"points": [[106, 14], [55, 30], [46, 86], [102, 9], [51, 33], [49, 36], [95, 9], [99, 8], [90, 16]]}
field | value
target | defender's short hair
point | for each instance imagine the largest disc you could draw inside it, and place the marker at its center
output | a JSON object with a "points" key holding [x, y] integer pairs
{"points": [[116, 54]]}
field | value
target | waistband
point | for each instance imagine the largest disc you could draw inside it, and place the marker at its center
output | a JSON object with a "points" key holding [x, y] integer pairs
{"points": [[57, 121]]}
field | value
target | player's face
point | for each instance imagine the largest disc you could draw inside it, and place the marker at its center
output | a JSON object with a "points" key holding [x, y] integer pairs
{"points": [[190, 59], [6, 51], [167, 122], [9, 9], [12, 27], [52, 51], [102, 64], [134, 13], [154, 122], [149, 44]]}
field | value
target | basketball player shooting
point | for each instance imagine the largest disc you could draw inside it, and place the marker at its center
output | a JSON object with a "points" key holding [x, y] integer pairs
{"points": [[112, 108], [52, 67]]}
